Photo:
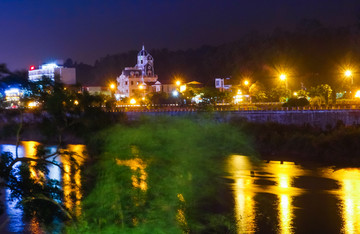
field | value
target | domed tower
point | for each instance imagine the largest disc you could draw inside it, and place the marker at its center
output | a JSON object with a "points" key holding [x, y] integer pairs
{"points": [[145, 62]]}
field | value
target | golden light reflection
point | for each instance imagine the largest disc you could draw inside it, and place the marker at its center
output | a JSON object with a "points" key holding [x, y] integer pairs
{"points": [[284, 174], [285, 214], [138, 166], [34, 226], [30, 152], [180, 216], [245, 175], [240, 169], [349, 180], [71, 177], [284, 181]]}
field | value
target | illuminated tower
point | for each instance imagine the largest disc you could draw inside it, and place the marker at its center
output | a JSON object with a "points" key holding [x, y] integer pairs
{"points": [[145, 62]]}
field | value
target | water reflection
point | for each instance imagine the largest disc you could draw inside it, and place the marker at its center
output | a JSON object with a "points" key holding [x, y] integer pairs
{"points": [[349, 180], [306, 200], [137, 165], [284, 174], [70, 178], [279, 177], [240, 168]]}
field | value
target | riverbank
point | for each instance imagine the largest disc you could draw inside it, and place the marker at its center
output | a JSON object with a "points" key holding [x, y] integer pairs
{"points": [[338, 145], [33, 133]]}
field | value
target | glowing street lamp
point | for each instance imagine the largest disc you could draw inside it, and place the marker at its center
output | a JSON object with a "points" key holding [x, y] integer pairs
{"points": [[178, 83], [112, 86], [348, 74], [132, 101], [175, 93], [246, 83], [357, 95], [284, 79], [182, 88]]}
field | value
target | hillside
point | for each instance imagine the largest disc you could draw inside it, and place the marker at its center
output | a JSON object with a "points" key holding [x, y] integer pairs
{"points": [[310, 54]]}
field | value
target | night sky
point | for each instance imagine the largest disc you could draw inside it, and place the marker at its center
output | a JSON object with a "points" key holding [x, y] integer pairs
{"points": [[33, 32]]}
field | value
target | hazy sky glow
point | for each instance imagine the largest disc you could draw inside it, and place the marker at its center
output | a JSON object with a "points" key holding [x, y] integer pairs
{"points": [[33, 32]]}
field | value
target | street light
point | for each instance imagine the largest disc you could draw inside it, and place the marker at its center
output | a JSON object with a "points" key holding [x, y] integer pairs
{"points": [[357, 95], [348, 74], [175, 93], [284, 78], [178, 83], [246, 82], [112, 88]]}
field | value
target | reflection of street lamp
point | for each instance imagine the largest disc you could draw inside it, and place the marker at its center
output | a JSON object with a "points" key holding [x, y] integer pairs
{"points": [[284, 79]]}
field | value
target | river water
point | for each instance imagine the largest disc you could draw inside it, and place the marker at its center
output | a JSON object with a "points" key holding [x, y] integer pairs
{"points": [[270, 197], [288, 198], [12, 221]]}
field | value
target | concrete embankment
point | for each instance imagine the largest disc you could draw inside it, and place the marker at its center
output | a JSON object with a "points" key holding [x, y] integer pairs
{"points": [[318, 118]]}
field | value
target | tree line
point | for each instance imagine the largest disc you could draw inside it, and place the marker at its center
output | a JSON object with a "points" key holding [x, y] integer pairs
{"points": [[310, 54]]}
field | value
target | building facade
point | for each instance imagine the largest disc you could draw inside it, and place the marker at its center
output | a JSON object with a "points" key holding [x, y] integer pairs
{"points": [[140, 79], [55, 72], [223, 84]]}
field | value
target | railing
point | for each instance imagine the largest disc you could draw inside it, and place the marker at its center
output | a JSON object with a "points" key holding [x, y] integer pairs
{"points": [[219, 108]]}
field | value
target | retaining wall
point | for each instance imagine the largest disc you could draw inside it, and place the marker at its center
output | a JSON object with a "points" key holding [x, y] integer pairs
{"points": [[320, 118]]}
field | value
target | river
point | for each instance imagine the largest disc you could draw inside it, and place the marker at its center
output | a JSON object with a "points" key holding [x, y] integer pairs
{"points": [[269, 197], [12, 220], [277, 197]]}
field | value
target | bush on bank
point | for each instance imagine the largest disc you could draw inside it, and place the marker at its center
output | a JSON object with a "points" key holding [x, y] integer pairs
{"points": [[162, 176]]}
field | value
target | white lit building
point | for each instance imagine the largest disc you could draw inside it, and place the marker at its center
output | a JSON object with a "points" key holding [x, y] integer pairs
{"points": [[12, 97], [223, 84], [139, 79], [53, 71]]}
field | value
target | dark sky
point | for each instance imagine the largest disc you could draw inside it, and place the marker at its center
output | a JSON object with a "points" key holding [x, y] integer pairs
{"points": [[35, 31]]}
